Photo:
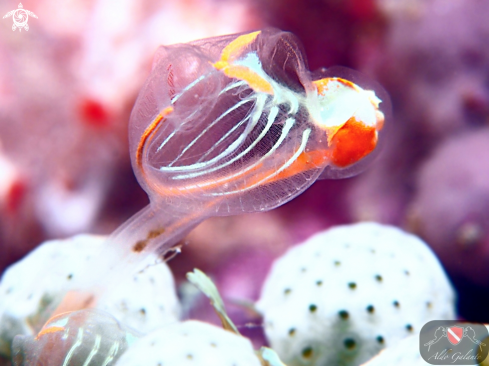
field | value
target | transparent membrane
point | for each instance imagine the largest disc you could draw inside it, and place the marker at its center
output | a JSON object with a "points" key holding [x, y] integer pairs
{"points": [[230, 125]]}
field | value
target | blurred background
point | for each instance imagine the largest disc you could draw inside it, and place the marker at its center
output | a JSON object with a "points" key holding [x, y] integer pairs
{"points": [[67, 86]]}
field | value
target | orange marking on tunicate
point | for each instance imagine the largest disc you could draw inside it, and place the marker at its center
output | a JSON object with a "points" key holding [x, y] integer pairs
{"points": [[52, 329], [147, 133], [177, 191], [322, 85], [255, 81], [220, 182], [232, 49], [305, 162], [346, 82], [379, 116], [49, 331], [352, 142], [331, 131]]}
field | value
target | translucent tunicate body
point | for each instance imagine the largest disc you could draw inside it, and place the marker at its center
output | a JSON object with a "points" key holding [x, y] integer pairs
{"points": [[237, 124], [240, 125], [82, 338], [229, 125]]}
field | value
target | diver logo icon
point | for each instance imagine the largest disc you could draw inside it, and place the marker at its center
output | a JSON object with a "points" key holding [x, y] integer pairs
{"points": [[20, 17], [447, 342], [455, 335]]}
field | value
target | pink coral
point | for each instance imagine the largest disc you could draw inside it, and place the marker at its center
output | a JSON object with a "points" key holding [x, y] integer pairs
{"points": [[66, 87], [451, 207]]}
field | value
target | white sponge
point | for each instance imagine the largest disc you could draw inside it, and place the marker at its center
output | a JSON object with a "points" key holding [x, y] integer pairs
{"points": [[348, 292], [190, 343], [31, 289]]}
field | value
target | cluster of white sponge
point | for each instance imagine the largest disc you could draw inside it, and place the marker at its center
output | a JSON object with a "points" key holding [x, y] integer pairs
{"points": [[347, 293], [337, 299], [50, 276]]}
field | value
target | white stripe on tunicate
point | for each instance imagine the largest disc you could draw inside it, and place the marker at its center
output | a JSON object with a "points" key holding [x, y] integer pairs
{"points": [[94, 350], [175, 98], [229, 87], [283, 95], [294, 101], [192, 143], [285, 130], [232, 86], [233, 146], [190, 86], [166, 140], [226, 135], [112, 353], [79, 340], [305, 137], [66, 333], [271, 118]]}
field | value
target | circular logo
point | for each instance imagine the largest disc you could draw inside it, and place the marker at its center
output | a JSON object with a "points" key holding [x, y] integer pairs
{"points": [[20, 18]]}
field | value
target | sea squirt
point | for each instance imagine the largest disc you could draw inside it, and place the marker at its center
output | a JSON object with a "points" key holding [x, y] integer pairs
{"points": [[238, 124], [229, 125], [85, 337]]}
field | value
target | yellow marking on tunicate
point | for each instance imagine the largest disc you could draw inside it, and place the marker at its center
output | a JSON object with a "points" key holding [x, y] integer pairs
{"points": [[231, 52], [49, 331], [255, 81], [232, 49]]}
